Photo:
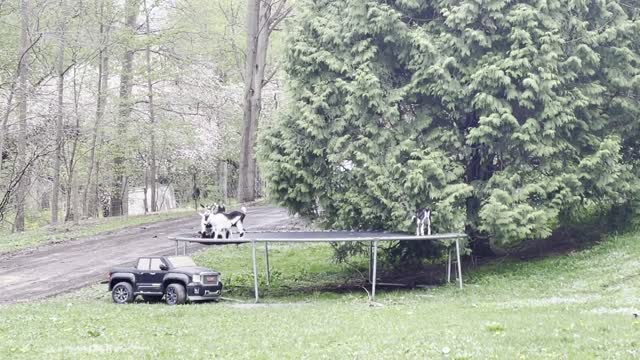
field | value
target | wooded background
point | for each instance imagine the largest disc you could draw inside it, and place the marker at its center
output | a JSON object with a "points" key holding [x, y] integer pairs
{"points": [[512, 120], [102, 96]]}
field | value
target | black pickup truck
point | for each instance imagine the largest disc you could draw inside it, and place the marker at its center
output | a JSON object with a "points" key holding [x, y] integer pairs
{"points": [[177, 278]]}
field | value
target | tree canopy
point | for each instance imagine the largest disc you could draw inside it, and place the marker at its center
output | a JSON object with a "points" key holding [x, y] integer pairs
{"points": [[505, 117]]}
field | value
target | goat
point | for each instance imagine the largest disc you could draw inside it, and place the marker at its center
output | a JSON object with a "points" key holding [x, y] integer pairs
{"points": [[422, 217], [206, 226], [206, 229], [222, 222], [218, 208]]}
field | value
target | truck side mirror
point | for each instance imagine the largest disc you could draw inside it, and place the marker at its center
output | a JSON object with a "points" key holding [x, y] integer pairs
{"points": [[164, 267]]}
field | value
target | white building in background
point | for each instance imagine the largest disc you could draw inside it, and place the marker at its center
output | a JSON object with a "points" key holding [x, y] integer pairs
{"points": [[165, 197]]}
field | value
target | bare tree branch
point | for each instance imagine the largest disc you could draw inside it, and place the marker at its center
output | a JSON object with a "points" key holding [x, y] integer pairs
{"points": [[17, 177], [232, 22]]}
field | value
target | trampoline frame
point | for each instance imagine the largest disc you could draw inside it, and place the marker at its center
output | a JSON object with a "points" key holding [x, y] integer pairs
{"points": [[373, 249]]}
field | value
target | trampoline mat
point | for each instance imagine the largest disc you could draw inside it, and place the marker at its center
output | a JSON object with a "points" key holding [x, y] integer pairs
{"points": [[312, 236]]}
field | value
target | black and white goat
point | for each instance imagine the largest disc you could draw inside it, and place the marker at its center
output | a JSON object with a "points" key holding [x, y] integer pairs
{"points": [[422, 218], [206, 226], [223, 222], [206, 229], [218, 208]]}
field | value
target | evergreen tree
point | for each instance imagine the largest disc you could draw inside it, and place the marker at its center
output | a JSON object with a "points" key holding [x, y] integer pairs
{"points": [[505, 117]]}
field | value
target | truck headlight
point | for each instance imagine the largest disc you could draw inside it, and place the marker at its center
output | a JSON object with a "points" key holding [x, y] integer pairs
{"points": [[196, 278]]}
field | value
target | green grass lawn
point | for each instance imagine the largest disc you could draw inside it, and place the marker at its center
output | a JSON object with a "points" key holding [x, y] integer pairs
{"points": [[576, 306], [40, 235]]}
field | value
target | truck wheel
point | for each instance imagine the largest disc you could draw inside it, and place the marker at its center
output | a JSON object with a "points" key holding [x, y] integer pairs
{"points": [[175, 294], [151, 298], [122, 293]]}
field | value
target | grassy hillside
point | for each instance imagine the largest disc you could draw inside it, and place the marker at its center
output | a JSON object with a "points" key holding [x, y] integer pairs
{"points": [[576, 306]]}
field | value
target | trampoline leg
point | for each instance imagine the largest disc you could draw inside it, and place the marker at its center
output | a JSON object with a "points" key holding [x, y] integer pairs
{"points": [[266, 255], [449, 266], [375, 265], [370, 260], [255, 271], [459, 263]]}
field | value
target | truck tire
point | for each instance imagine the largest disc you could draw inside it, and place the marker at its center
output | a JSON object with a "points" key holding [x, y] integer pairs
{"points": [[122, 293], [175, 294]]}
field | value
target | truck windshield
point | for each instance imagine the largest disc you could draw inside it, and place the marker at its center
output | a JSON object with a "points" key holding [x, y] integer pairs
{"points": [[181, 261]]}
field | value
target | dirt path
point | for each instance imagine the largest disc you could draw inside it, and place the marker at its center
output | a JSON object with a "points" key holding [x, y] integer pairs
{"points": [[56, 268]]}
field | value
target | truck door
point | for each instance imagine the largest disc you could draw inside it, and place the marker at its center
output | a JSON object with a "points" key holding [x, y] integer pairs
{"points": [[141, 268], [151, 279]]}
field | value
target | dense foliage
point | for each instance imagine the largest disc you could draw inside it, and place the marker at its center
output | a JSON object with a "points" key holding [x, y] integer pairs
{"points": [[506, 117]]}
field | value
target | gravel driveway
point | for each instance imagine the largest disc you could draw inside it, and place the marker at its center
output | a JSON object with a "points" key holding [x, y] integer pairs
{"points": [[57, 268]]}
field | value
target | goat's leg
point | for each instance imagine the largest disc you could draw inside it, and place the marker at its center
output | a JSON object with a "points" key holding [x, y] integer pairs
{"points": [[240, 228], [428, 227]]}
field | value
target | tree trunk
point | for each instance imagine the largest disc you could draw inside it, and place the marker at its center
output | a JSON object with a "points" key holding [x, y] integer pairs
{"points": [[5, 119], [152, 120], [479, 167], [258, 83], [76, 201], [225, 181], [23, 75], [146, 187], [125, 196], [119, 195], [103, 84], [195, 191], [57, 160], [96, 193], [260, 23], [12, 91], [246, 188], [75, 134]]}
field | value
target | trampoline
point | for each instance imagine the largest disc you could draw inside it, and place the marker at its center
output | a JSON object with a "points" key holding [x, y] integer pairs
{"points": [[255, 237]]}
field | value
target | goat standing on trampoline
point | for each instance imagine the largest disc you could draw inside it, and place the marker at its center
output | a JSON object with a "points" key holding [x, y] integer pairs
{"points": [[206, 226], [223, 222], [422, 218]]}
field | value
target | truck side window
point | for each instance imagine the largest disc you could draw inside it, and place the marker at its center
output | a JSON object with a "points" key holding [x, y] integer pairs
{"points": [[143, 264], [155, 264]]}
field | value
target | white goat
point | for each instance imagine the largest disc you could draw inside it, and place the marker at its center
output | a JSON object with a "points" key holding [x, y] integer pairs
{"points": [[222, 222]]}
